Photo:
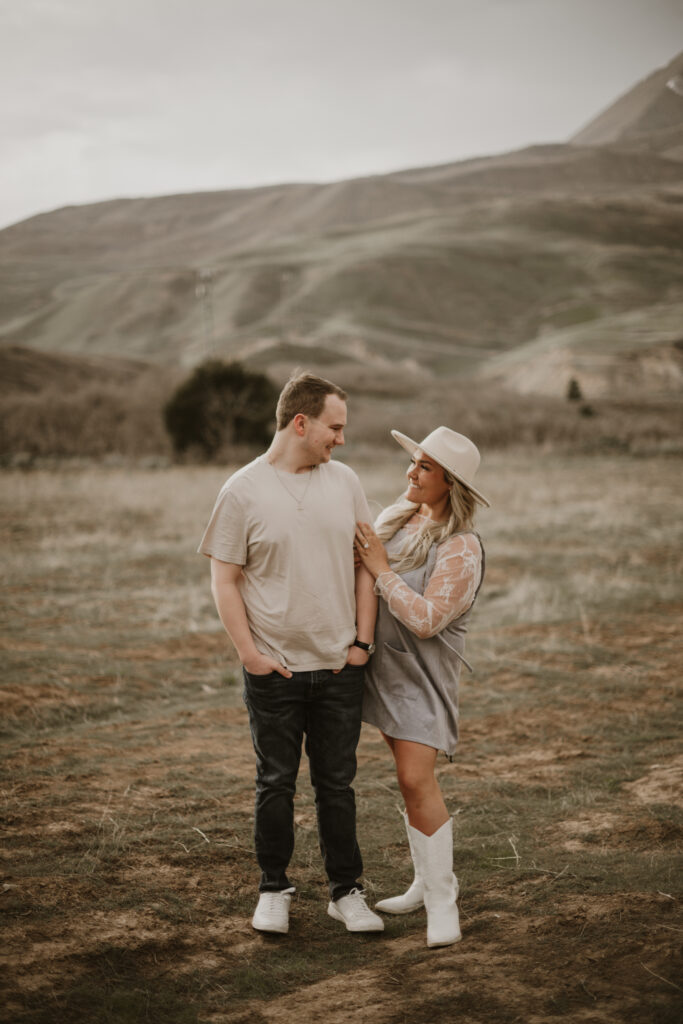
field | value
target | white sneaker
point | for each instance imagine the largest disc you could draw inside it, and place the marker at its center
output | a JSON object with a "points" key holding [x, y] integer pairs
{"points": [[272, 912], [355, 913]]}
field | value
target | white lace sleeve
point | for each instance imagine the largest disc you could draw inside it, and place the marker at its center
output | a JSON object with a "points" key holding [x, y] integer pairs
{"points": [[448, 594]]}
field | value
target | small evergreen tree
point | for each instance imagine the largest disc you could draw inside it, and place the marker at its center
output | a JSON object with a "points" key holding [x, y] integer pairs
{"points": [[574, 391], [218, 405]]}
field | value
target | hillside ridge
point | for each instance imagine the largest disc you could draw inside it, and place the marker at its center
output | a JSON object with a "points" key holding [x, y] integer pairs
{"points": [[440, 269]]}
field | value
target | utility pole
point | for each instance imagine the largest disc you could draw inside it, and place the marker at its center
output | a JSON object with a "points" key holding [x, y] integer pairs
{"points": [[204, 292], [285, 277]]}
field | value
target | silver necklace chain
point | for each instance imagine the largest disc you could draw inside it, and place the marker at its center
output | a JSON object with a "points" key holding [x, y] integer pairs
{"points": [[299, 501]]}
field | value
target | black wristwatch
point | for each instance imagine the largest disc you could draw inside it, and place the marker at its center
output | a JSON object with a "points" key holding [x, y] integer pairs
{"points": [[370, 648]]}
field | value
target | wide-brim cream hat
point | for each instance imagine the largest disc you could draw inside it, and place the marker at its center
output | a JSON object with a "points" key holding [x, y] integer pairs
{"points": [[453, 451]]}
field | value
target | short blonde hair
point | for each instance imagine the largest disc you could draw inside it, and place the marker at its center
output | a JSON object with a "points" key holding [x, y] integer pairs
{"points": [[304, 393]]}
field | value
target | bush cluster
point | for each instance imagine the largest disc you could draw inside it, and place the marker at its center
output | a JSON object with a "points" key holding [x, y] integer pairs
{"points": [[221, 405]]}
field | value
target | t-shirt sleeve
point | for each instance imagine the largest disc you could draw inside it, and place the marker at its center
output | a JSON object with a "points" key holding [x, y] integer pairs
{"points": [[225, 538], [360, 502]]}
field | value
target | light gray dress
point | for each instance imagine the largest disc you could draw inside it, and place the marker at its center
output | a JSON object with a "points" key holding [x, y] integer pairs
{"points": [[411, 684]]}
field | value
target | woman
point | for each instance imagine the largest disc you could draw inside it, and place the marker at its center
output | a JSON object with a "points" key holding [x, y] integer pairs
{"points": [[427, 578]]}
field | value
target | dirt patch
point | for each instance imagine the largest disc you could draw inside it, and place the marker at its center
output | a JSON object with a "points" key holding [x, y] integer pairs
{"points": [[613, 831], [579, 831], [527, 765], [663, 784], [189, 645]]}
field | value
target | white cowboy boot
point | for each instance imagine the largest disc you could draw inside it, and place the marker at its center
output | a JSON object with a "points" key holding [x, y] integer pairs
{"points": [[435, 863], [413, 897]]}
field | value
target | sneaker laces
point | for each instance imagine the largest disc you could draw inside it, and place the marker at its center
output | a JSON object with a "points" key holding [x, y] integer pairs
{"points": [[357, 907], [273, 900]]}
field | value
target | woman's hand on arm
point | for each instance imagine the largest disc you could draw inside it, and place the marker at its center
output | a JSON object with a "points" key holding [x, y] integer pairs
{"points": [[370, 550], [230, 606]]}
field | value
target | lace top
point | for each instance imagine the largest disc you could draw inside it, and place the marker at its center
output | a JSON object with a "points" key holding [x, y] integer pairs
{"points": [[450, 591]]}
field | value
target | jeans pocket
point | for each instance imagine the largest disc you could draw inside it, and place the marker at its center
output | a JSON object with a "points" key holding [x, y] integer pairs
{"points": [[351, 670], [260, 689]]}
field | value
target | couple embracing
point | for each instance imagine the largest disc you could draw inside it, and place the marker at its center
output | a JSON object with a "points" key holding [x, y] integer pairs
{"points": [[326, 644]]}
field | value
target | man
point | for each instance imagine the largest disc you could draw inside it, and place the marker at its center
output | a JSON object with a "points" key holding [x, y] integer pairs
{"points": [[302, 621]]}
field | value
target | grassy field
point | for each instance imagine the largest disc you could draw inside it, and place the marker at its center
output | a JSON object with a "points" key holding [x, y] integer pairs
{"points": [[128, 878]]}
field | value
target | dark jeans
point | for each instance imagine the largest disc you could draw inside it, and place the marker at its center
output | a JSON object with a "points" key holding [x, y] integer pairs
{"points": [[326, 709]]}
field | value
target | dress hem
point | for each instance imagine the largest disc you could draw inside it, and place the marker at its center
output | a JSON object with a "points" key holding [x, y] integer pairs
{"points": [[414, 739]]}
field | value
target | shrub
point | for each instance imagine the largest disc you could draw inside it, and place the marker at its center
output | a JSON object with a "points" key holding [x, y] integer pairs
{"points": [[220, 405], [574, 393]]}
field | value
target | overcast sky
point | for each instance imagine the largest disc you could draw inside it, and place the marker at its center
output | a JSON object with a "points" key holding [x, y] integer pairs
{"points": [[107, 98]]}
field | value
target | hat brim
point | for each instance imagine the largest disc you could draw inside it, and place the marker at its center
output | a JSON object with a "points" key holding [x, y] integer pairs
{"points": [[412, 447]]}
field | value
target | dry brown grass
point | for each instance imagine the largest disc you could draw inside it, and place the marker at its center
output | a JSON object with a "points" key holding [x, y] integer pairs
{"points": [[95, 421], [128, 879]]}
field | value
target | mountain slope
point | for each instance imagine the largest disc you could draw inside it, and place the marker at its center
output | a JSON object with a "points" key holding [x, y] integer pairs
{"points": [[630, 355], [650, 108], [435, 269]]}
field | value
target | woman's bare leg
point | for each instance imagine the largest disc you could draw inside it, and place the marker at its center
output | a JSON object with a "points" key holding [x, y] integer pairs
{"points": [[431, 844], [415, 764]]}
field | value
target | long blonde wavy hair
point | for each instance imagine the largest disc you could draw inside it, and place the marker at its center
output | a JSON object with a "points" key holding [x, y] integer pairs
{"points": [[414, 550]]}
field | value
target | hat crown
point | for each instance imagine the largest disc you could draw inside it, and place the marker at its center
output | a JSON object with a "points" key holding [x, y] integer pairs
{"points": [[453, 451]]}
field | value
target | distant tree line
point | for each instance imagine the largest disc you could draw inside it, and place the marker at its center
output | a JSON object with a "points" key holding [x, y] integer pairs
{"points": [[222, 412]]}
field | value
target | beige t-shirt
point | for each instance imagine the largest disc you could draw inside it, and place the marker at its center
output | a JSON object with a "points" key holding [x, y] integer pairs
{"points": [[297, 580]]}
